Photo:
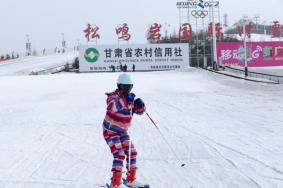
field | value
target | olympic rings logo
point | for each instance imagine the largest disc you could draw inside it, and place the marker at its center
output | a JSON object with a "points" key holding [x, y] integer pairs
{"points": [[199, 13]]}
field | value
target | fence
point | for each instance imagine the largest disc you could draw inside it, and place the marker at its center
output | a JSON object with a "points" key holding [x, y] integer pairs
{"points": [[274, 78]]}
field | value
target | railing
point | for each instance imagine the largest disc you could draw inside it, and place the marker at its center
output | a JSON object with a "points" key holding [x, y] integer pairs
{"points": [[274, 78]]}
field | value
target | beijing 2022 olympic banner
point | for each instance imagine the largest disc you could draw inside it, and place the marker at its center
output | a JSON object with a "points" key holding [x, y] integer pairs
{"points": [[143, 57], [259, 54]]}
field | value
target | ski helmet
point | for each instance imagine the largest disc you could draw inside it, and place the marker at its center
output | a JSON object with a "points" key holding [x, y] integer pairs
{"points": [[124, 79], [125, 84]]}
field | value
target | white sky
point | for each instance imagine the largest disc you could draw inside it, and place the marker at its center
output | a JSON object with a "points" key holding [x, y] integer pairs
{"points": [[45, 21]]}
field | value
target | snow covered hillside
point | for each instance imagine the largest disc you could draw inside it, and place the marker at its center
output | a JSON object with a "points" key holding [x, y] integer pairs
{"points": [[228, 132], [26, 65], [255, 37]]}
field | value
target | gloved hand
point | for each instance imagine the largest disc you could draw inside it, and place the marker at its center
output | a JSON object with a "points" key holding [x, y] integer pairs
{"points": [[139, 107], [130, 97]]}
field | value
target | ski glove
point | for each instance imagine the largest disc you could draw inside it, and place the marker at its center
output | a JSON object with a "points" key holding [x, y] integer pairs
{"points": [[130, 97], [139, 107]]}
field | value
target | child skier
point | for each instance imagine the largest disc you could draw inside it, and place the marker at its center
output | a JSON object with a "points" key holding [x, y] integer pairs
{"points": [[121, 105]]}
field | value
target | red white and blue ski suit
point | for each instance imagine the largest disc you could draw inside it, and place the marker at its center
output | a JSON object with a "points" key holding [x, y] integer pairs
{"points": [[115, 125]]}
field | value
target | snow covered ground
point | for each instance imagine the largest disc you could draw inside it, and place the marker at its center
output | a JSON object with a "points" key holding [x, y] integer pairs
{"points": [[228, 132]]}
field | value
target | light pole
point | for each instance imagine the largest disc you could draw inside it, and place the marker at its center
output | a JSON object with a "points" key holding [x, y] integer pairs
{"points": [[78, 44], [63, 41], [244, 23], [28, 45], [245, 48], [256, 18], [166, 26], [197, 39], [204, 42], [264, 29], [213, 34]]}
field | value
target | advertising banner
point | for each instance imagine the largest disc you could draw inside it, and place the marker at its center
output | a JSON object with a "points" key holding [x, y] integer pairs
{"points": [[259, 54], [144, 57]]}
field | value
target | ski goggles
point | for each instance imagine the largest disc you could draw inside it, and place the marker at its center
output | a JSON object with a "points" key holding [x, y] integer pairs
{"points": [[126, 88]]}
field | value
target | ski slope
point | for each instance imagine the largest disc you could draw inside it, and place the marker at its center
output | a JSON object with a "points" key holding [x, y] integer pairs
{"points": [[228, 132], [25, 65]]}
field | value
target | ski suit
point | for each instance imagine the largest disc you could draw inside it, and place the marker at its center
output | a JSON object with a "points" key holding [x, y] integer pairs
{"points": [[115, 125]]}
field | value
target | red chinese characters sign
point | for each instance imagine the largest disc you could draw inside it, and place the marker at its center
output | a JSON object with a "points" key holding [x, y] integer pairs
{"points": [[248, 30], [185, 32], [276, 29], [91, 32], [123, 32], [154, 32], [218, 29]]}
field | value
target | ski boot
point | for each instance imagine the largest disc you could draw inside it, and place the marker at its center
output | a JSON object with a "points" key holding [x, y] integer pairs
{"points": [[116, 180], [131, 180]]}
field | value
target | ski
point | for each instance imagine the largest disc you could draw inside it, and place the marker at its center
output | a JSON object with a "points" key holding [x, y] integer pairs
{"points": [[144, 186], [102, 186]]}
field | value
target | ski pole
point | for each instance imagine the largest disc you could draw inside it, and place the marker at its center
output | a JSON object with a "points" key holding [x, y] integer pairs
{"points": [[173, 151], [129, 154], [130, 150]]}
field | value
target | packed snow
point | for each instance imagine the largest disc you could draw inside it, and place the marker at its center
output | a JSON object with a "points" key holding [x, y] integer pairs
{"points": [[228, 132]]}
